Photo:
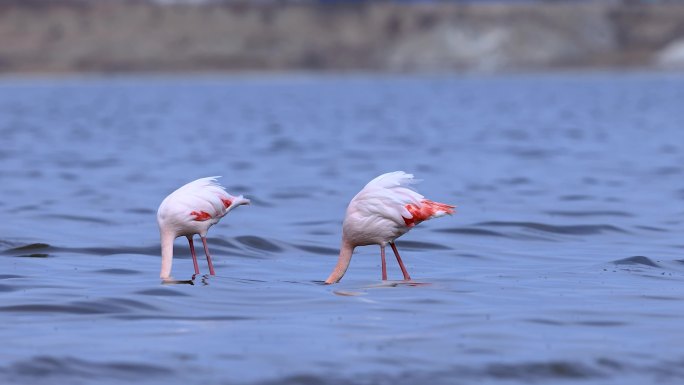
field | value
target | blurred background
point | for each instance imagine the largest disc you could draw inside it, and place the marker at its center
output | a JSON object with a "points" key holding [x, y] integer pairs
{"points": [[332, 35], [554, 126]]}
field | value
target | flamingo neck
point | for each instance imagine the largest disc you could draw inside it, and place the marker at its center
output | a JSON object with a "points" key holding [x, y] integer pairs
{"points": [[167, 254], [346, 251]]}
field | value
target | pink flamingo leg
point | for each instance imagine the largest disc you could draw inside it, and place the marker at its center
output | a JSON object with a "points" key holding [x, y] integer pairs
{"points": [[194, 256], [206, 251], [384, 265], [407, 277]]}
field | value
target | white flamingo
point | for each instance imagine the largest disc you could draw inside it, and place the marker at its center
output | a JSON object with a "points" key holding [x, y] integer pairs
{"points": [[190, 210], [385, 209]]}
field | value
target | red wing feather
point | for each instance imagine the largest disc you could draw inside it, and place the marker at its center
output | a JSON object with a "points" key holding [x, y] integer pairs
{"points": [[426, 210], [201, 215]]}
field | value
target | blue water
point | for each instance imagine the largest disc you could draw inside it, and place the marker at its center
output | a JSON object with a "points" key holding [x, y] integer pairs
{"points": [[565, 261]]}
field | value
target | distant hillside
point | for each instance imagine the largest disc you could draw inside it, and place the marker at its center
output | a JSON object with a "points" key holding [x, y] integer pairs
{"points": [[105, 36]]}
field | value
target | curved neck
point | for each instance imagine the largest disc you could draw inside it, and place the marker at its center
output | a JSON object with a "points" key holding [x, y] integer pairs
{"points": [[346, 251], [167, 254]]}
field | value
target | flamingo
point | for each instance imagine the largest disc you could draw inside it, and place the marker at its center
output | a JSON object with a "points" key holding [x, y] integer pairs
{"points": [[384, 210], [190, 210]]}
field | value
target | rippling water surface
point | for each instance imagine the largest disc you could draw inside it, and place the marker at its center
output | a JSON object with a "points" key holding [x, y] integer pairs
{"points": [[565, 260]]}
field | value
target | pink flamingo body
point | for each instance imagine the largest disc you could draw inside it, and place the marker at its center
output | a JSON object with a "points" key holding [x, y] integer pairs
{"points": [[190, 210], [385, 209]]}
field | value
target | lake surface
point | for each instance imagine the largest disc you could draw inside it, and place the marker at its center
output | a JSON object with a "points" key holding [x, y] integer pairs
{"points": [[564, 262]]}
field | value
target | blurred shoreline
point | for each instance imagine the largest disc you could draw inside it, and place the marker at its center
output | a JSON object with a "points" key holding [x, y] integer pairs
{"points": [[137, 37]]}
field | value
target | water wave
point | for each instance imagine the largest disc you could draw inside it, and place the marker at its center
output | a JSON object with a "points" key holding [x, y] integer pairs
{"points": [[557, 229], [65, 368]]}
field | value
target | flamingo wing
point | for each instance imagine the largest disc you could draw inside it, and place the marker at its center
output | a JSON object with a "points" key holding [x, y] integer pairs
{"points": [[391, 196], [201, 200], [387, 197], [425, 210]]}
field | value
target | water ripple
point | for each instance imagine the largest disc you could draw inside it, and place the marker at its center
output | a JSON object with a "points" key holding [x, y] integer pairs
{"points": [[322, 250], [181, 318], [577, 197], [29, 247], [162, 293], [418, 245], [526, 372], [557, 229], [471, 231], [636, 260], [8, 276], [79, 218], [543, 370], [592, 213], [41, 367], [100, 306], [259, 243], [117, 271], [47, 250]]}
